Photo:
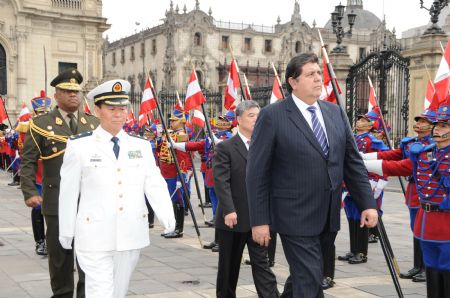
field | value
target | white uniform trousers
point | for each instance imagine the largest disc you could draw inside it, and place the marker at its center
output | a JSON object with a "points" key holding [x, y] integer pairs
{"points": [[107, 273]]}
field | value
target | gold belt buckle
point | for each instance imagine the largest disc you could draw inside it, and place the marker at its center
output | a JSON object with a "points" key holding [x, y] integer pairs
{"points": [[427, 207]]}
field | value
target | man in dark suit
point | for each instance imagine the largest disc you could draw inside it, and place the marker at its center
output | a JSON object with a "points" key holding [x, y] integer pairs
{"points": [[46, 139], [302, 149], [232, 216]]}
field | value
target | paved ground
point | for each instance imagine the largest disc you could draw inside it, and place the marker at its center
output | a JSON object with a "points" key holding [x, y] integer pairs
{"points": [[180, 268]]}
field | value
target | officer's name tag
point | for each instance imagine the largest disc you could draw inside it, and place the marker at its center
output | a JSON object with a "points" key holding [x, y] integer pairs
{"points": [[134, 154], [95, 158]]}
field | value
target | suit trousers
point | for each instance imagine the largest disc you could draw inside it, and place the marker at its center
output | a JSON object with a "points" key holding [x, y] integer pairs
{"points": [[60, 263], [108, 273], [230, 254]]}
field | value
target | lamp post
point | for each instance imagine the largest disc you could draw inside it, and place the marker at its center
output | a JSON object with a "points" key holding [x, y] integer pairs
{"points": [[434, 10], [336, 22]]}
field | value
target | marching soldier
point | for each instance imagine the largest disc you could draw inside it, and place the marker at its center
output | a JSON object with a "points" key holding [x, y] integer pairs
{"points": [[46, 139], [366, 142], [422, 127]]}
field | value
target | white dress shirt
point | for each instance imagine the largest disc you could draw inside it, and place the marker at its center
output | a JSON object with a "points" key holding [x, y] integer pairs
{"points": [[302, 106]]}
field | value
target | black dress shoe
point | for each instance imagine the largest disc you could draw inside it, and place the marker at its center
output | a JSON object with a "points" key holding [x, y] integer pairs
{"points": [[215, 248], [271, 263], [410, 274], [346, 257], [41, 248], [327, 283], [209, 245], [358, 259], [420, 277], [373, 238], [174, 234], [14, 183], [205, 205], [150, 225], [210, 223], [247, 262]]}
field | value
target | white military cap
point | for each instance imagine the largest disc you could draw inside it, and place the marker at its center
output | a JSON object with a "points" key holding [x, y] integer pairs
{"points": [[113, 92]]}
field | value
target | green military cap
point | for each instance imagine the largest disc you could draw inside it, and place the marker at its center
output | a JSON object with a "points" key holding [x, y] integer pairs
{"points": [[68, 80]]}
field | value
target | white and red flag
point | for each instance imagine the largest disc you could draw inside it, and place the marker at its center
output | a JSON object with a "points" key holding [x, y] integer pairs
{"points": [[231, 95], [194, 94], [148, 104], [24, 114], [198, 118], [428, 95], [276, 91], [442, 79], [327, 90]]}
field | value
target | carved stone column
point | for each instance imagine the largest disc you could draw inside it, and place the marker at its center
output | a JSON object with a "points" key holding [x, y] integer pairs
{"points": [[21, 36], [341, 65]]}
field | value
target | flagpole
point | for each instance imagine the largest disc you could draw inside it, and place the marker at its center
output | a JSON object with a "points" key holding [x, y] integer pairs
{"points": [[247, 87], [391, 261], [197, 187], [177, 165], [237, 69], [278, 80], [45, 71]]}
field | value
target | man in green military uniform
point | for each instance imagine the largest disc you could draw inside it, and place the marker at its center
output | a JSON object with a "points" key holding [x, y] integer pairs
{"points": [[46, 139]]}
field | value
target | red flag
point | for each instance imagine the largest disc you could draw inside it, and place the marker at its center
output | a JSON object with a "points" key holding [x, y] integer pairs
{"points": [[3, 115], [148, 99], [198, 118], [130, 118], [143, 119], [276, 91], [24, 114], [442, 80], [428, 95], [194, 94], [372, 99], [87, 109], [327, 90], [232, 85]]}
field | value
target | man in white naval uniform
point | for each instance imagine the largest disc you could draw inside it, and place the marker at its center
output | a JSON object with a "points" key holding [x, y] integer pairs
{"points": [[106, 173]]}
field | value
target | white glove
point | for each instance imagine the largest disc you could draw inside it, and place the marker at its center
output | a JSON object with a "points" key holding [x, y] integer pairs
{"points": [[17, 154], [369, 156], [179, 185], [159, 130], [66, 242], [373, 184], [379, 188], [180, 146], [374, 166], [344, 194]]}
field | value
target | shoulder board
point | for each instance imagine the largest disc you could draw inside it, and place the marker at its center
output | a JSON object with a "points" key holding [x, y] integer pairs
{"points": [[138, 137], [407, 140], [81, 135]]}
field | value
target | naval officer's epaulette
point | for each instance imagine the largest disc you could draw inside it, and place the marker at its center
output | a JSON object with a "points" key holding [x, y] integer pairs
{"points": [[81, 135]]}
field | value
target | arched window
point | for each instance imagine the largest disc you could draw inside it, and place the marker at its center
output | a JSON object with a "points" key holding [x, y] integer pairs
{"points": [[197, 39], [298, 47], [3, 82]]}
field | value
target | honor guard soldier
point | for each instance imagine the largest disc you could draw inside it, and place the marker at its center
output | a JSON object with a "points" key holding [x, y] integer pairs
{"points": [[366, 142], [46, 140], [430, 167], [422, 127]]}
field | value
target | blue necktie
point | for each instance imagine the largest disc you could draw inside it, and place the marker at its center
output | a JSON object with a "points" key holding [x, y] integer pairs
{"points": [[116, 147], [318, 130]]}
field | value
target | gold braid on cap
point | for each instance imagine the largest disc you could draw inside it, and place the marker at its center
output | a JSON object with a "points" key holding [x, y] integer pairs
{"points": [[49, 136]]}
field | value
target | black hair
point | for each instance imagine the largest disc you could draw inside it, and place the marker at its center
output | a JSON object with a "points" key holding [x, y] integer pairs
{"points": [[294, 67]]}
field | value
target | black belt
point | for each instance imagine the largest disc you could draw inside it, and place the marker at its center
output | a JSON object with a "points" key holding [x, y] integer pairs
{"points": [[432, 208]]}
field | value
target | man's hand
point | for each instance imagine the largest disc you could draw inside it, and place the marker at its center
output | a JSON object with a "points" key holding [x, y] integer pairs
{"points": [[369, 218], [261, 235], [33, 201], [66, 242], [231, 219]]}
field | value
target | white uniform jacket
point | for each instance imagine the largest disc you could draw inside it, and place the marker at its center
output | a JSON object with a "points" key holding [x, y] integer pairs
{"points": [[112, 214]]}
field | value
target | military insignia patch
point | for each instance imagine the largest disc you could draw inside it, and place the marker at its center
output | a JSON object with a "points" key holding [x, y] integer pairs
{"points": [[82, 120], [134, 154], [117, 87], [58, 121]]}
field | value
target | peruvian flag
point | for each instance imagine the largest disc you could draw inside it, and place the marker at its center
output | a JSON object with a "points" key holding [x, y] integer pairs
{"points": [[428, 95], [86, 108], [232, 85], [372, 98], [3, 115], [130, 118], [24, 114], [276, 91], [442, 80], [198, 118], [143, 120], [194, 94], [327, 89], [148, 99]]}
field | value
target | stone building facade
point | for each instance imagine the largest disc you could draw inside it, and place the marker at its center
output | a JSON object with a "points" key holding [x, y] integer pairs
{"points": [[71, 32], [188, 39]]}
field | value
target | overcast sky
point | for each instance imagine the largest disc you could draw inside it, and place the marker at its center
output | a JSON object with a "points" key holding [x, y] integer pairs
{"points": [[122, 15]]}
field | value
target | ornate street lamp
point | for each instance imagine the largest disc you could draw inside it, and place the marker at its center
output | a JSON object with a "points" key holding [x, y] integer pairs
{"points": [[434, 10], [336, 22]]}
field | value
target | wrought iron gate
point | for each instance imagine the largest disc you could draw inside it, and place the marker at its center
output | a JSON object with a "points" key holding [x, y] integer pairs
{"points": [[389, 73]]}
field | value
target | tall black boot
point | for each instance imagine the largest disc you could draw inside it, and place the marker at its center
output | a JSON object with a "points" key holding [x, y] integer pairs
{"points": [[175, 207], [373, 235], [272, 248], [435, 283], [351, 230], [362, 244], [446, 277], [418, 262], [37, 222], [179, 217]]}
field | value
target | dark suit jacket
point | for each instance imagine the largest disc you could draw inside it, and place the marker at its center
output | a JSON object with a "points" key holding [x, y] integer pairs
{"points": [[37, 145], [229, 166], [290, 183]]}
